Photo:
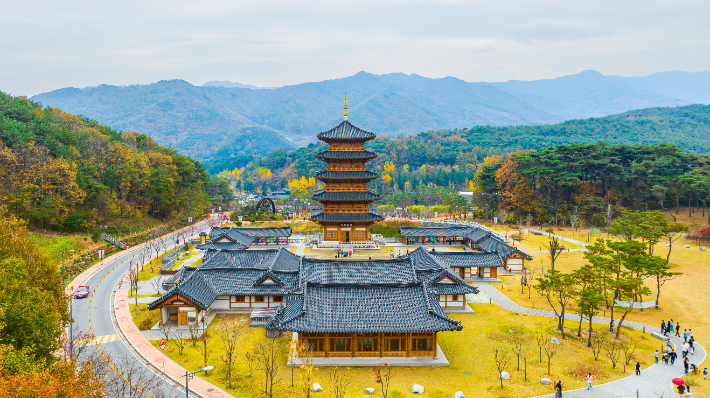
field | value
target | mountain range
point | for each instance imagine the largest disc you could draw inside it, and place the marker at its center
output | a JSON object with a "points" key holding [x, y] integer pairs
{"points": [[225, 119]]}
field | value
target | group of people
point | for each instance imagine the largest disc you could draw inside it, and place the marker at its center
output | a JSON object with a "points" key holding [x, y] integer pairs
{"points": [[343, 254]]}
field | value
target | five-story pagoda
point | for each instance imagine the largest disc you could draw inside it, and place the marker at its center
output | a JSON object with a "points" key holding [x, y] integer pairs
{"points": [[346, 215]]}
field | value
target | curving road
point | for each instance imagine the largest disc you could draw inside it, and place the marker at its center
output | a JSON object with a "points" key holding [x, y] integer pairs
{"points": [[93, 315]]}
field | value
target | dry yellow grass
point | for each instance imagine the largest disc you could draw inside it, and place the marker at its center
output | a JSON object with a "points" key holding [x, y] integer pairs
{"points": [[469, 350]]}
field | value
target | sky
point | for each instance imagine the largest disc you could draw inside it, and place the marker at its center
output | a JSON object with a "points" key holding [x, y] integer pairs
{"points": [[48, 44]]}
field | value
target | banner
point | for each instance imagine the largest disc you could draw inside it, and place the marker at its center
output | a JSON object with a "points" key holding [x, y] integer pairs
{"points": [[101, 253], [495, 220], [162, 344], [189, 219]]}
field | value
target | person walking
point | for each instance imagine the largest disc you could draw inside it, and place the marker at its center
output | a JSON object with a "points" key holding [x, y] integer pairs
{"points": [[670, 326], [663, 327], [611, 326], [589, 380], [638, 368], [677, 329], [685, 335], [655, 355], [705, 374], [685, 349], [673, 356], [686, 365], [688, 394], [691, 342], [558, 389]]}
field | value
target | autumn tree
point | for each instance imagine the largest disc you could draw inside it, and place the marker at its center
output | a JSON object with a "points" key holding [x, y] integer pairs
{"points": [[558, 289], [230, 329]]}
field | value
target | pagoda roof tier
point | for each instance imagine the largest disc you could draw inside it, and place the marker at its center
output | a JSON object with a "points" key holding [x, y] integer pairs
{"points": [[346, 155], [346, 131], [346, 217], [346, 175], [323, 195]]}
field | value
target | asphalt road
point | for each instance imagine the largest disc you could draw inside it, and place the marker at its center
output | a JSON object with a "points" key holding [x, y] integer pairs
{"points": [[92, 315]]}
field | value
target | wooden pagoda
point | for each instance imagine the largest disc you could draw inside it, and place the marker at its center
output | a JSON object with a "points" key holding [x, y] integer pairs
{"points": [[346, 215]]}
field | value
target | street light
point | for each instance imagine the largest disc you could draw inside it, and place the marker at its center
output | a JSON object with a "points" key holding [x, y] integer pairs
{"points": [[71, 307], [64, 251], [102, 243], [154, 223], [189, 376]]}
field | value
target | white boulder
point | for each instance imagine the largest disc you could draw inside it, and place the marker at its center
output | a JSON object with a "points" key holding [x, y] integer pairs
{"points": [[417, 389], [370, 390], [316, 387], [545, 380], [504, 375], [687, 246], [459, 394], [702, 249]]}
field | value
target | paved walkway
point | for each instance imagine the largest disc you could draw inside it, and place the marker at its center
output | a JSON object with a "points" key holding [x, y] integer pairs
{"points": [[563, 238], [155, 357], [654, 380]]}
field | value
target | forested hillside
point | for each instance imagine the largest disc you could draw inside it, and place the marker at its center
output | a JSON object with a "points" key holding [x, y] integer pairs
{"points": [[60, 171]]}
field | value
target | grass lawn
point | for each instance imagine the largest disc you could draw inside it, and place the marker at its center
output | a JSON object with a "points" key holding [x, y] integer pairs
{"points": [[468, 350], [146, 319], [683, 299], [51, 246]]}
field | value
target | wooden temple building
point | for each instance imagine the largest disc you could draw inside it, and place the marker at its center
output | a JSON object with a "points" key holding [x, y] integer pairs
{"points": [[346, 215], [358, 308]]}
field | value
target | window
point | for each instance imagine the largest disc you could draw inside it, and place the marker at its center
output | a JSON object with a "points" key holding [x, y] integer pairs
{"points": [[340, 345], [422, 344], [278, 299], [238, 299], [395, 344], [455, 297], [367, 345], [332, 234], [258, 299], [314, 344]]}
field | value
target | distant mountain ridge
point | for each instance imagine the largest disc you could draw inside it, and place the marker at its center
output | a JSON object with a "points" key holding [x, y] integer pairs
{"points": [[207, 122]]}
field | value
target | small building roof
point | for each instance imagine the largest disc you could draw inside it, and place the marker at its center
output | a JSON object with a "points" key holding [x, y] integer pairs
{"points": [[433, 231], [346, 175], [346, 195], [493, 244], [353, 309], [470, 259], [346, 130], [346, 217], [358, 272], [366, 154]]}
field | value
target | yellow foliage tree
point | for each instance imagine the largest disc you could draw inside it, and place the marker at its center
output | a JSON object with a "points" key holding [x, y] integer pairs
{"points": [[389, 167]]}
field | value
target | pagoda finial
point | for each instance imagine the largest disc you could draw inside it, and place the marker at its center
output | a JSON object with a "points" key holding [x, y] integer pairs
{"points": [[346, 106]]}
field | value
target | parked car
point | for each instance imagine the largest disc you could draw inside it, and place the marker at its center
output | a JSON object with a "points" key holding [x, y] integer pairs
{"points": [[82, 292]]}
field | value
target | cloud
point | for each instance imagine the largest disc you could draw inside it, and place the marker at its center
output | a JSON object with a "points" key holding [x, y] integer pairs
{"points": [[47, 44]]}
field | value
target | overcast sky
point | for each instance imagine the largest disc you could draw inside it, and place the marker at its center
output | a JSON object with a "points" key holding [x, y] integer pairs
{"points": [[49, 44]]}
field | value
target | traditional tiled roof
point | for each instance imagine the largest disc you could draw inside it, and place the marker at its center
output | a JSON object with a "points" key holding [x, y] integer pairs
{"points": [[493, 244], [350, 309], [232, 238], [346, 155], [357, 272], [269, 232], [346, 175], [345, 130], [457, 287], [477, 234], [346, 195], [433, 231], [285, 261], [470, 259], [423, 261], [246, 259], [346, 217], [204, 285]]}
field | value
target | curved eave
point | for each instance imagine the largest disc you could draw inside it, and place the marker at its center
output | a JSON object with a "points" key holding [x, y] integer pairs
{"points": [[346, 155]]}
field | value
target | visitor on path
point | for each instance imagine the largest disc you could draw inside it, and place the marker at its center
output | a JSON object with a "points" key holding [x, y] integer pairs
{"points": [[670, 326], [638, 368], [688, 394], [590, 379], [705, 374], [685, 335], [681, 390], [692, 345], [611, 326], [668, 343], [686, 365], [558, 389], [685, 349], [666, 356], [663, 327], [673, 356], [655, 355], [677, 329]]}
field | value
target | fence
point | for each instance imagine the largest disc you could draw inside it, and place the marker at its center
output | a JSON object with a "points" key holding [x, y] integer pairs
{"points": [[642, 304], [110, 239]]}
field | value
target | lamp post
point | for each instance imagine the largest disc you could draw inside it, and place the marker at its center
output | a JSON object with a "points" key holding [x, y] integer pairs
{"points": [[102, 243], [154, 223], [71, 307], [189, 376]]}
